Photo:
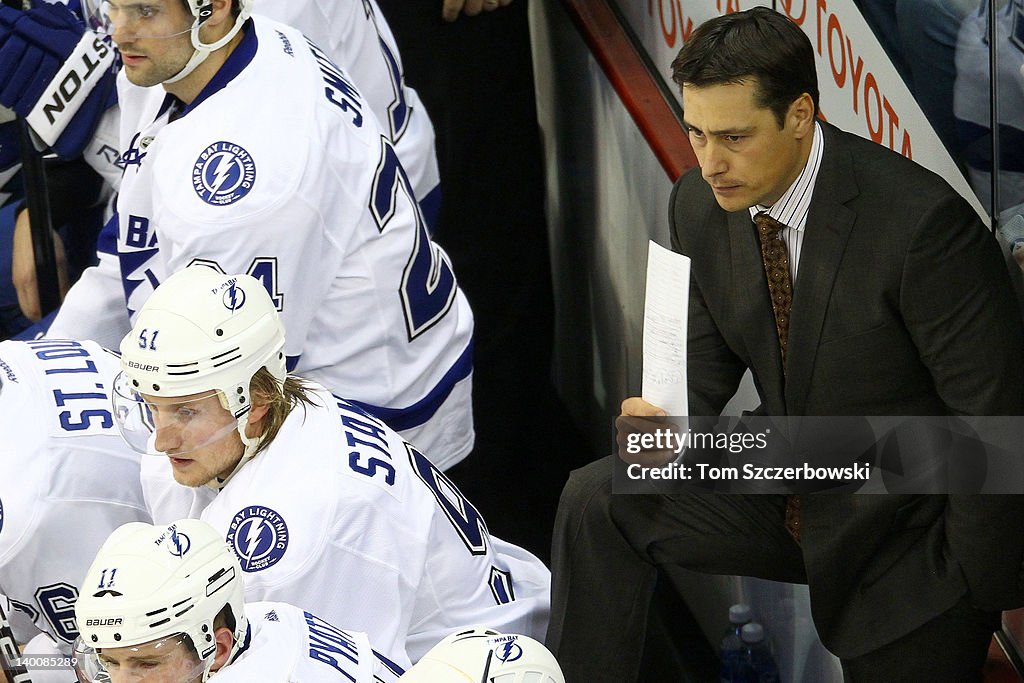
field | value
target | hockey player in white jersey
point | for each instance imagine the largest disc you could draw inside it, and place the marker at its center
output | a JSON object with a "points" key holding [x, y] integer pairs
{"points": [[325, 505], [258, 154], [320, 211], [164, 604], [66, 480], [353, 33]]}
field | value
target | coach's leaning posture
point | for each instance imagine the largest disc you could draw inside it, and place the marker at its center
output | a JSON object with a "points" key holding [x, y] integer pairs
{"points": [[850, 281]]}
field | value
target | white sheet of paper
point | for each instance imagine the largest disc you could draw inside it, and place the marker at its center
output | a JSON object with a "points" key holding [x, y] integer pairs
{"points": [[666, 305]]}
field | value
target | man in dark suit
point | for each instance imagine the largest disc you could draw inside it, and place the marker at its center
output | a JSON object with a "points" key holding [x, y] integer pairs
{"points": [[887, 297]]}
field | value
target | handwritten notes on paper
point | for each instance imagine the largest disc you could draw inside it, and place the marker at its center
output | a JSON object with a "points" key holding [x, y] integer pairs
{"points": [[665, 315]]}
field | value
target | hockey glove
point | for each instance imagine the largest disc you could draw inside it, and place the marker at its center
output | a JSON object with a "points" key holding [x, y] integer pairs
{"points": [[56, 74]]}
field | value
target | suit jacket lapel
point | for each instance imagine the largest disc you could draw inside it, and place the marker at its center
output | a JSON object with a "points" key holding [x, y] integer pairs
{"points": [[754, 306], [828, 227]]}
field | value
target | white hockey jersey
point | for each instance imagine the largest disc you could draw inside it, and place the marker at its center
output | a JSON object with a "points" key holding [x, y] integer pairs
{"points": [[66, 478], [290, 645], [342, 516], [355, 34], [278, 169]]}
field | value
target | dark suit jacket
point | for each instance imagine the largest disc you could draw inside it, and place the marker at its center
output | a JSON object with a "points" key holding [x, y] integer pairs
{"points": [[902, 306]]}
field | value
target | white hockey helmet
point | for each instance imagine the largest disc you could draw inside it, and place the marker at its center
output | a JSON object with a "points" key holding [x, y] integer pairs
{"points": [[203, 330], [199, 331], [474, 655], [151, 583]]}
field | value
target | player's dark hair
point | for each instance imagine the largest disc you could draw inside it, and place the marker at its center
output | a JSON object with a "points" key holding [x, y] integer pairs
{"points": [[279, 398], [759, 43]]}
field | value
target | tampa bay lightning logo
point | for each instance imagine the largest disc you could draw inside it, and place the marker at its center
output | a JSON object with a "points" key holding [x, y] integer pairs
{"points": [[234, 297], [223, 173], [509, 651], [178, 544], [259, 536]]}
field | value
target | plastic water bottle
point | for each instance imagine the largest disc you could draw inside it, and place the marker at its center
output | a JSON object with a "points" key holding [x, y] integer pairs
{"points": [[756, 662], [731, 646]]}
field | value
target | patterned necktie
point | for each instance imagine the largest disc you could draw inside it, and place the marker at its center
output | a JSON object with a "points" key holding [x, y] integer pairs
{"points": [[776, 268], [780, 287]]}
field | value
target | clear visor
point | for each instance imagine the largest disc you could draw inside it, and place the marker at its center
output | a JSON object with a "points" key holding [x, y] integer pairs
{"points": [[172, 426], [167, 660], [142, 18]]}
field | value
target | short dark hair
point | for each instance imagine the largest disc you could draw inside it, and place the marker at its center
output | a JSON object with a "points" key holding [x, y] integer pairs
{"points": [[759, 43]]}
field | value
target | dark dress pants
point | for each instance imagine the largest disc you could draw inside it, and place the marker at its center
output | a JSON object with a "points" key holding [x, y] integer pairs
{"points": [[610, 551]]}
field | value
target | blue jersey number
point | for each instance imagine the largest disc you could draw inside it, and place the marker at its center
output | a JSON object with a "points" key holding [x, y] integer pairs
{"points": [[57, 601], [398, 110], [428, 283], [466, 519], [502, 588], [27, 608]]}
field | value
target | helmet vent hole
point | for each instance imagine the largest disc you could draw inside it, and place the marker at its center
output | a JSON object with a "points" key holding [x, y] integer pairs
{"points": [[241, 399], [117, 636], [95, 638], [220, 332], [156, 387], [239, 390]]}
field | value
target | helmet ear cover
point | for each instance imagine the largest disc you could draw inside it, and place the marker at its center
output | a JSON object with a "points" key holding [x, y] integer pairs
{"points": [[156, 583]]}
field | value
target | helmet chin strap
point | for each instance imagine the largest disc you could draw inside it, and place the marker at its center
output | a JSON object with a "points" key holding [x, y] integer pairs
{"points": [[251, 443], [202, 50], [198, 57]]}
